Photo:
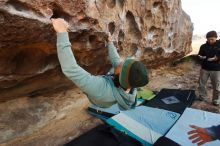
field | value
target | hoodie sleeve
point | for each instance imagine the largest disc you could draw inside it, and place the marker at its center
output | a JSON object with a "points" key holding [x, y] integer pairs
{"points": [[214, 132], [218, 49], [113, 54], [91, 85]]}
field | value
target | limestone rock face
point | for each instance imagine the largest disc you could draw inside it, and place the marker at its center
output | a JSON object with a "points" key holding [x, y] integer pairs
{"points": [[154, 31]]}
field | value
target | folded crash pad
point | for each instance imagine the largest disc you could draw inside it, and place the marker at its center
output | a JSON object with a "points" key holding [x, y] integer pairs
{"points": [[145, 94], [203, 119], [175, 100], [143, 123], [104, 135]]}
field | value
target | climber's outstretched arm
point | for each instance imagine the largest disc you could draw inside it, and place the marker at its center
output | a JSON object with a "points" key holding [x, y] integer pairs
{"points": [[112, 52], [90, 84]]}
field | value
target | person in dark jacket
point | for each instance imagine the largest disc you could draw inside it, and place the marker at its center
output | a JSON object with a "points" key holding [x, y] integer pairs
{"points": [[209, 54], [203, 135]]}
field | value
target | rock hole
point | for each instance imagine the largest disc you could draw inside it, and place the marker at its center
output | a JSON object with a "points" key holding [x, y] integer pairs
{"points": [[156, 31], [59, 12], [171, 28], [111, 3], [92, 38], [111, 27], [157, 4], [88, 20], [132, 26], [155, 36], [152, 28], [120, 46], [121, 36], [148, 14], [159, 7], [159, 50], [148, 49], [121, 3], [19, 6], [170, 45], [134, 49], [142, 21]]}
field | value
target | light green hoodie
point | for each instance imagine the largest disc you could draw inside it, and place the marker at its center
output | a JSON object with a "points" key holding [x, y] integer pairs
{"points": [[100, 90]]}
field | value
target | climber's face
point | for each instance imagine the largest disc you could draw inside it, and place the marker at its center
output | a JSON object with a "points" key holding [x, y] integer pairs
{"points": [[211, 40], [118, 68]]}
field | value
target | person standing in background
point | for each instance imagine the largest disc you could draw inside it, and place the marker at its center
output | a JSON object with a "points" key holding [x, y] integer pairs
{"points": [[209, 54]]}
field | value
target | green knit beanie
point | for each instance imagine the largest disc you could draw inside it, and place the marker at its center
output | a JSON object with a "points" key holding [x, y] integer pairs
{"points": [[133, 74]]}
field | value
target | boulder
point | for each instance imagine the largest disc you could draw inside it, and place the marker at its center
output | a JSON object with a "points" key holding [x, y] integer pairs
{"points": [[154, 31]]}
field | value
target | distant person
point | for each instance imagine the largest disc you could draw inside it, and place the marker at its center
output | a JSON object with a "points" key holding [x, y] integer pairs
{"points": [[209, 53], [203, 135], [107, 90]]}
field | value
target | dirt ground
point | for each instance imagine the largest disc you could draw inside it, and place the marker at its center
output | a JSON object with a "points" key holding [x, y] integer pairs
{"points": [[45, 120]]}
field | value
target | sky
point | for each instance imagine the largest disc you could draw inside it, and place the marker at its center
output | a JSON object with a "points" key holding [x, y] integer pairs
{"points": [[205, 14]]}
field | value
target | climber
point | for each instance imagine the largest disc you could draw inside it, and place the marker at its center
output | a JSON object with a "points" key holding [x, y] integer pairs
{"points": [[107, 90], [209, 53]]}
